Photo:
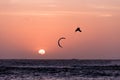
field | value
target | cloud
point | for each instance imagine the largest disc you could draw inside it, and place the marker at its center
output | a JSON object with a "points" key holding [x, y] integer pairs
{"points": [[15, 1], [57, 13], [106, 7], [56, 7], [106, 15], [32, 1]]}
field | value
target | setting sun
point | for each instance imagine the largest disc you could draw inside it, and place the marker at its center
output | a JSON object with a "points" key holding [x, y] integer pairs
{"points": [[41, 51]]}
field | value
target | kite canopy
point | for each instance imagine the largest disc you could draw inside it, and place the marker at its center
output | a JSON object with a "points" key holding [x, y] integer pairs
{"points": [[78, 29], [59, 40]]}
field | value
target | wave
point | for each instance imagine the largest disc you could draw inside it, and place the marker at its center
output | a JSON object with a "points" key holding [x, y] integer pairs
{"points": [[91, 71], [60, 68]]}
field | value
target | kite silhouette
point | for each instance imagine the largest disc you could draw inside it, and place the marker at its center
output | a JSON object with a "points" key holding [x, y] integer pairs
{"points": [[59, 40], [78, 30]]}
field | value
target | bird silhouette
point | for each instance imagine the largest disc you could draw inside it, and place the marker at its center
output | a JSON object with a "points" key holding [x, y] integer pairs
{"points": [[78, 29]]}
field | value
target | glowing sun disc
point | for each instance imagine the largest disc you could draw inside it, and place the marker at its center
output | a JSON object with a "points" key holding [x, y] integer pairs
{"points": [[41, 51]]}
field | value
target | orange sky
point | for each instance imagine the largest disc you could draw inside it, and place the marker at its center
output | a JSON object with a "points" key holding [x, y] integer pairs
{"points": [[29, 25]]}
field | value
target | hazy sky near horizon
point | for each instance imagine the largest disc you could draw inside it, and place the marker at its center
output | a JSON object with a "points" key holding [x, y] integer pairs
{"points": [[29, 25]]}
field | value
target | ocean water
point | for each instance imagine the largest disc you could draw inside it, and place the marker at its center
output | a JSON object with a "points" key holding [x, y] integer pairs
{"points": [[60, 69]]}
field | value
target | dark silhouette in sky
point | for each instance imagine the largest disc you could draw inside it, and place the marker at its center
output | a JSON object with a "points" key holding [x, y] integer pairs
{"points": [[60, 40], [78, 30]]}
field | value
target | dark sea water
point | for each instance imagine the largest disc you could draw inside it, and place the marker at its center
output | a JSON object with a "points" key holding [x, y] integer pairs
{"points": [[60, 69]]}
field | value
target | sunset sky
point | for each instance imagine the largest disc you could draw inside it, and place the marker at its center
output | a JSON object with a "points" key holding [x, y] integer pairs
{"points": [[29, 25]]}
